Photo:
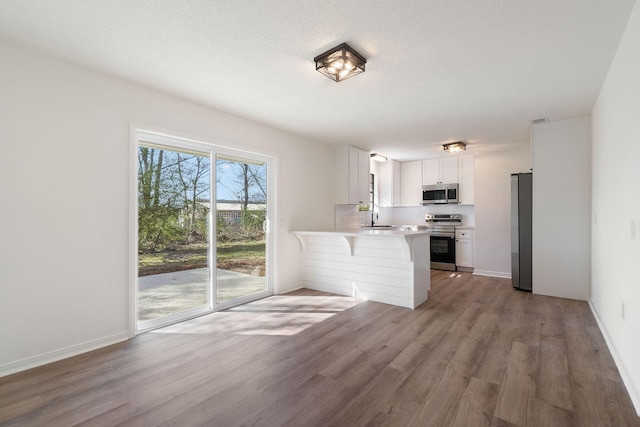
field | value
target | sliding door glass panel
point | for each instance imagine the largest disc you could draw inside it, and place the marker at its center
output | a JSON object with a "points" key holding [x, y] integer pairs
{"points": [[173, 233], [241, 228]]}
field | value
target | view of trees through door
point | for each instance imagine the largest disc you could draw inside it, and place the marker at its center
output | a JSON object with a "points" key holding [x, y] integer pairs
{"points": [[173, 232], [177, 224], [241, 203]]}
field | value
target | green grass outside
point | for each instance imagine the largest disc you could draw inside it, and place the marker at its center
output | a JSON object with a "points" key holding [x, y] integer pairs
{"points": [[242, 256]]}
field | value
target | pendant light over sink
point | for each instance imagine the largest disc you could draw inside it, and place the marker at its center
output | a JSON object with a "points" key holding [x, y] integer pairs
{"points": [[340, 63]]}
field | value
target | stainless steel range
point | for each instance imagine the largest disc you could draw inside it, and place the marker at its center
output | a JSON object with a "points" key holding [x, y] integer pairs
{"points": [[443, 239]]}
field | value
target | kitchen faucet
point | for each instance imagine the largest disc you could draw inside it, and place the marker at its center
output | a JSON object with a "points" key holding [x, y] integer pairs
{"points": [[372, 220]]}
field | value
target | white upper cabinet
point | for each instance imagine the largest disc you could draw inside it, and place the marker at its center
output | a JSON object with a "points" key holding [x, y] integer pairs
{"points": [[389, 183], [466, 179], [363, 192], [352, 175], [411, 183], [443, 170]]}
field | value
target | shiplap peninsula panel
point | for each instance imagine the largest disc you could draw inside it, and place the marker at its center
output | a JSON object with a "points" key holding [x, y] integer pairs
{"points": [[391, 268]]}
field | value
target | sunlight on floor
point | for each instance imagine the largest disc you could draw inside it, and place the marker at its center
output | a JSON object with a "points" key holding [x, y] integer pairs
{"points": [[276, 315]]}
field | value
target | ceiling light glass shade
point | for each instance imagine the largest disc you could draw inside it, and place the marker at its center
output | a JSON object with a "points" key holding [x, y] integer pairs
{"points": [[378, 157], [454, 147], [340, 63]]}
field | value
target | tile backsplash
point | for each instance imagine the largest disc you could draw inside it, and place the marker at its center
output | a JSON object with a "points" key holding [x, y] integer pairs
{"points": [[414, 215], [348, 216]]}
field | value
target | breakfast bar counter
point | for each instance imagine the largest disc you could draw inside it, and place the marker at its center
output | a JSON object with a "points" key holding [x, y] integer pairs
{"points": [[388, 265]]}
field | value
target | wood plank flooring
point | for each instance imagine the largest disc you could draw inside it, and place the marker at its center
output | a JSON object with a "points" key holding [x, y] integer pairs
{"points": [[477, 353]]}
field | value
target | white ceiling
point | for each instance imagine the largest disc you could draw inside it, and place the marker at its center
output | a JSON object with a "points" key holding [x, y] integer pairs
{"points": [[437, 71]]}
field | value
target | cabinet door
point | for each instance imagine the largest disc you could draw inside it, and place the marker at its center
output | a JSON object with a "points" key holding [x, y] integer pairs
{"points": [[466, 180], [411, 183], [464, 252], [389, 183], [363, 192], [449, 170], [353, 182], [395, 167], [464, 248], [443, 170], [430, 171]]}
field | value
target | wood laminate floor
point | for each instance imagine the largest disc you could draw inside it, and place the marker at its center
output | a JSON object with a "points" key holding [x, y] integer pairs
{"points": [[477, 353]]}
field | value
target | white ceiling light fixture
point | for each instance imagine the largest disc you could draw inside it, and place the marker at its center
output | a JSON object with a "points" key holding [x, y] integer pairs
{"points": [[454, 147], [340, 63], [378, 157]]}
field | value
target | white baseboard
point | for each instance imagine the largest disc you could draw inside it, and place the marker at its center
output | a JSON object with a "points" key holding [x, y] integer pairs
{"points": [[63, 353], [500, 274], [626, 379], [294, 288]]}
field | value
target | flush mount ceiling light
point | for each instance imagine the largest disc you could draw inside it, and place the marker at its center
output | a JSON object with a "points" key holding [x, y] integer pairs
{"points": [[378, 157], [454, 147], [340, 62]]}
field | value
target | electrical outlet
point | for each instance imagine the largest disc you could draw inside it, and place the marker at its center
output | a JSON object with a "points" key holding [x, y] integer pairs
{"points": [[623, 311]]}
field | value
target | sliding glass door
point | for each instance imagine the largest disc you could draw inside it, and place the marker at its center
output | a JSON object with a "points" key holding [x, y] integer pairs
{"points": [[202, 229], [241, 228], [173, 233]]}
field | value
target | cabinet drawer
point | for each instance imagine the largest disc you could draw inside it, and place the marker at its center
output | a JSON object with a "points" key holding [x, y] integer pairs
{"points": [[464, 234]]}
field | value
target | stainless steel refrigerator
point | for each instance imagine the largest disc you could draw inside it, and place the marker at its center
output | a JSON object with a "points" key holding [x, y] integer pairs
{"points": [[521, 230]]}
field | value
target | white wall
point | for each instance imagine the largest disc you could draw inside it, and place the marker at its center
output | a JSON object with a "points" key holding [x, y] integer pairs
{"points": [[615, 204], [492, 236], [64, 185], [562, 208]]}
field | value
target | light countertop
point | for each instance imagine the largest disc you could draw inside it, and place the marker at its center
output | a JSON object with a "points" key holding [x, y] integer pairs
{"points": [[365, 232]]}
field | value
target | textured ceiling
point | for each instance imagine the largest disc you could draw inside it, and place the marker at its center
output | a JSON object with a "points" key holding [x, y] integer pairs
{"points": [[437, 71]]}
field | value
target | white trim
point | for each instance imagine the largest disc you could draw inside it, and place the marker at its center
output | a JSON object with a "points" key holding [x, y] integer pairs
{"points": [[183, 316], [296, 288], [626, 379], [60, 354], [164, 136], [133, 230], [243, 300], [499, 274]]}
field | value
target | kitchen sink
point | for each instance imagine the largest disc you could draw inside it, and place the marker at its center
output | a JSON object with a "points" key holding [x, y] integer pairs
{"points": [[377, 227]]}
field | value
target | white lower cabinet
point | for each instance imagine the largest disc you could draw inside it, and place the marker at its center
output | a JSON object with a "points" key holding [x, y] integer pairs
{"points": [[464, 250]]}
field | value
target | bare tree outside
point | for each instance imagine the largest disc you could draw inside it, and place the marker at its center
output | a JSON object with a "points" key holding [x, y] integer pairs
{"points": [[241, 215], [174, 206], [174, 202]]}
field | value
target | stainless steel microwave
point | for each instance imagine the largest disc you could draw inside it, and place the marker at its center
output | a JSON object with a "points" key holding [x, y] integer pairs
{"points": [[439, 194]]}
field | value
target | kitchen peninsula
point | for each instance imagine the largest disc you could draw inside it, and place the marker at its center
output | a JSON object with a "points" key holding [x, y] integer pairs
{"points": [[388, 265]]}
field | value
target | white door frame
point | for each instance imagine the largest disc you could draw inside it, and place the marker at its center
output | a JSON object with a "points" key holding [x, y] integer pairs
{"points": [[173, 140]]}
